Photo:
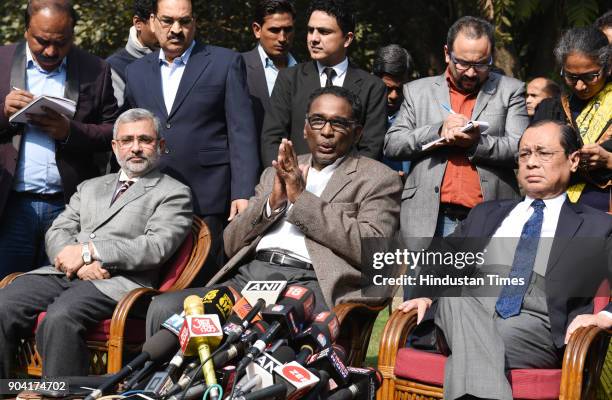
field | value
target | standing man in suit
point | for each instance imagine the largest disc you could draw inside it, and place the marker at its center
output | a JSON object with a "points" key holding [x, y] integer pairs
{"points": [[115, 234], [309, 213], [527, 325], [141, 41], [466, 167], [273, 29], [199, 93], [331, 27], [42, 162]]}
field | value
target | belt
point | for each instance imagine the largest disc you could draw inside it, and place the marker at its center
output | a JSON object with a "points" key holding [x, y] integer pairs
{"points": [[278, 258], [41, 196], [454, 211]]}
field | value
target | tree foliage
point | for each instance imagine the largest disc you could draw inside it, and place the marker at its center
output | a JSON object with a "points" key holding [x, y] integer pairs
{"points": [[526, 30]]}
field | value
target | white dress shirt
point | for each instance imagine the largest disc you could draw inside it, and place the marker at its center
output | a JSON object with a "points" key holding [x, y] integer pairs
{"points": [[171, 74], [270, 70], [338, 79], [286, 236]]}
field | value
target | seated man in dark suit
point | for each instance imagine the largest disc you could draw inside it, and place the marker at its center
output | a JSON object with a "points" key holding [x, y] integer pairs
{"points": [[309, 213], [113, 237], [331, 27], [528, 325]]}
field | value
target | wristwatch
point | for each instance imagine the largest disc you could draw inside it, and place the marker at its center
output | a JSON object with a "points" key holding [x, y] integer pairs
{"points": [[86, 253]]}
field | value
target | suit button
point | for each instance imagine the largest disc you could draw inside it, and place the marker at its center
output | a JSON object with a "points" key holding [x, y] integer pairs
{"points": [[168, 126], [92, 235], [436, 189], [166, 151]]}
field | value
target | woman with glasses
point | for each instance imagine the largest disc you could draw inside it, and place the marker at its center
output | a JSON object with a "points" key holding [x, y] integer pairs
{"points": [[585, 59]]}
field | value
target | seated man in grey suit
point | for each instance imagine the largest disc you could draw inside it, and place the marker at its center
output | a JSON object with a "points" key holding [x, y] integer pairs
{"points": [[526, 326], [465, 167], [309, 213], [115, 234]]}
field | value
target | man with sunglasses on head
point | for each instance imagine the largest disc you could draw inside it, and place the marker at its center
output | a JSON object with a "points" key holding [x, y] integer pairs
{"points": [[467, 165], [200, 94]]}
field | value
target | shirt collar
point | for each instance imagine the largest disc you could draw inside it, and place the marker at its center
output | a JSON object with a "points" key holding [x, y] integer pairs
{"points": [[267, 61], [339, 68], [330, 168], [31, 62], [553, 205], [182, 59], [123, 177]]}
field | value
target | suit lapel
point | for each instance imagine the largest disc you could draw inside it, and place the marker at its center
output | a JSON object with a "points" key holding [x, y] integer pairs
{"points": [[311, 75], [352, 82], [134, 192], [569, 223], [18, 78], [442, 95], [197, 63], [71, 90], [484, 95], [340, 178], [156, 84], [256, 70], [494, 219]]}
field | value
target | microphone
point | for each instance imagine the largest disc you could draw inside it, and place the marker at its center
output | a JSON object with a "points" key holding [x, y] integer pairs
{"points": [[235, 331], [366, 382], [321, 389], [200, 333], [274, 392], [329, 361], [159, 347], [264, 365], [298, 379], [269, 291], [295, 307], [320, 334]]}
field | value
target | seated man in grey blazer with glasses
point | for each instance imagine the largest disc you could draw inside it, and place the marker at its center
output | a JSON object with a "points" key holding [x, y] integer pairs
{"points": [[114, 235]]}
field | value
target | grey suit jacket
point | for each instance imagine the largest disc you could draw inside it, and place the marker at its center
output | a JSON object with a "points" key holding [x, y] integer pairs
{"points": [[133, 237], [360, 200], [500, 102]]}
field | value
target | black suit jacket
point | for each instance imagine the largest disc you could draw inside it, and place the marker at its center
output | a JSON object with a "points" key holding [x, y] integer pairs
{"points": [[580, 258], [258, 88], [211, 142], [287, 113], [88, 82]]}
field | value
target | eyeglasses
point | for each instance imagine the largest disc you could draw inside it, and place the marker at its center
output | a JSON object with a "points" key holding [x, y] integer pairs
{"points": [[167, 22], [587, 78], [338, 125], [464, 65], [541, 154], [143, 140]]}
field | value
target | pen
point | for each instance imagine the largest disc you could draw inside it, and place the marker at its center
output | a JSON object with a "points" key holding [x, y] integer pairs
{"points": [[15, 88], [447, 108]]}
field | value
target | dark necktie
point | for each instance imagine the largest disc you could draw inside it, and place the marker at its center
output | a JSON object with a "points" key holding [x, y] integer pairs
{"points": [[124, 186], [511, 297], [330, 72]]}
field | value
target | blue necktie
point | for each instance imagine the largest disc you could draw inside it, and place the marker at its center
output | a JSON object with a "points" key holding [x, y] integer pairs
{"points": [[511, 297]]}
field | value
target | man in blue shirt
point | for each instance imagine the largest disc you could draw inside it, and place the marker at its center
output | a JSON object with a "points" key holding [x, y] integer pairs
{"points": [[44, 160]]}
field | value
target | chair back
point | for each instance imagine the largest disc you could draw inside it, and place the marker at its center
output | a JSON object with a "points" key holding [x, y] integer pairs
{"points": [[602, 297], [176, 264]]}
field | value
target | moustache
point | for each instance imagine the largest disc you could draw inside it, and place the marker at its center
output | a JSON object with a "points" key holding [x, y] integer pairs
{"points": [[180, 36], [47, 60]]}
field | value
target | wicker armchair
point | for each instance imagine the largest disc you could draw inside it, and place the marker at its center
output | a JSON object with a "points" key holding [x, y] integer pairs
{"points": [[582, 365], [110, 340]]}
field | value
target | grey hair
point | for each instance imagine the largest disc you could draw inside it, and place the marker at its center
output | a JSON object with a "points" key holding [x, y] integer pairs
{"points": [[589, 41], [135, 115]]}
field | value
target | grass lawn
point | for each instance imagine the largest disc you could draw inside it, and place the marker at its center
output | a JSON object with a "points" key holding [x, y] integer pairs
{"points": [[372, 356]]}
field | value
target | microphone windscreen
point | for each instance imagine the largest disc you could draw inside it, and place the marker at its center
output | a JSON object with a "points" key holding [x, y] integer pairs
{"points": [[161, 346], [284, 354]]}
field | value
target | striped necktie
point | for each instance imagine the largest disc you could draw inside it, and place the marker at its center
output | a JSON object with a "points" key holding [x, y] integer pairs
{"points": [[124, 186]]}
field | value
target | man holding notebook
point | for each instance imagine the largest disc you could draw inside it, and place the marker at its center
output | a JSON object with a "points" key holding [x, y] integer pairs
{"points": [[42, 161], [470, 162]]}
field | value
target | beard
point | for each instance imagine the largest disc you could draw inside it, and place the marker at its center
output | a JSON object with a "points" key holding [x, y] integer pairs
{"points": [[142, 167]]}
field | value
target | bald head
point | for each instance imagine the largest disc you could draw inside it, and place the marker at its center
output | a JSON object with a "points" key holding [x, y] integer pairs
{"points": [[51, 6], [539, 89]]}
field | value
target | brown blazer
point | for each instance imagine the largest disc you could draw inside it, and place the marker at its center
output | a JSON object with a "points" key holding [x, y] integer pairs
{"points": [[88, 82], [362, 199]]}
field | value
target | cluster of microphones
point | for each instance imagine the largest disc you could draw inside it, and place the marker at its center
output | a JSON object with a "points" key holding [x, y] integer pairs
{"points": [[265, 344]]}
